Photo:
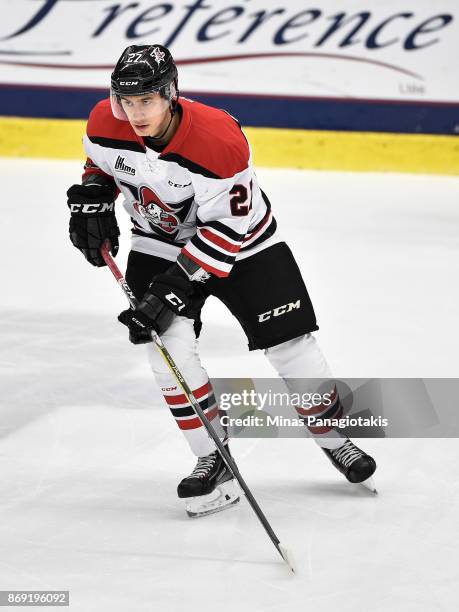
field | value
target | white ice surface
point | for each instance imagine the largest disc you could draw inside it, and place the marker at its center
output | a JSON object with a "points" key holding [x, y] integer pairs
{"points": [[89, 457]]}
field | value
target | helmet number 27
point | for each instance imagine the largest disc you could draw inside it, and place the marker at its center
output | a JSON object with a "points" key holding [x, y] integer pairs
{"points": [[133, 58]]}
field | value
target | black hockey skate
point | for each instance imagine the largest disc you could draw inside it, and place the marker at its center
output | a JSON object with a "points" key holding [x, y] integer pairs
{"points": [[356, 465], [209, 488]]}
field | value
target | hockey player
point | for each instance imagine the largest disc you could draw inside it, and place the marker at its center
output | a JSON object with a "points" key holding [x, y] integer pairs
{"points": [[201, 226]]}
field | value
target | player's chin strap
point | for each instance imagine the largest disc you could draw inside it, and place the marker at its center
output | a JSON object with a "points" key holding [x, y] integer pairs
{"points": [[158, 138], [173, 109], [284, 553]]}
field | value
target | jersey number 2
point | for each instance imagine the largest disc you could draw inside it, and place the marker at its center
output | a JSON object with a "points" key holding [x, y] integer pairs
{"points": [[239, 196]]}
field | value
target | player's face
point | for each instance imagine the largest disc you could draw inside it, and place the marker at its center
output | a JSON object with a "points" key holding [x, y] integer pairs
{"points": [[147, 114]]}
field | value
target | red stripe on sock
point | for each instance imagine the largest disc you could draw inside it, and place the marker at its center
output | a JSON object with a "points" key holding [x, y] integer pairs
{"points": [[173, 400], [196, 422]]}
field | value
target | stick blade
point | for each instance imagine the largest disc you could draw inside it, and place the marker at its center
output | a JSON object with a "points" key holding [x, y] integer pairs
{"points": [[288, 558]]}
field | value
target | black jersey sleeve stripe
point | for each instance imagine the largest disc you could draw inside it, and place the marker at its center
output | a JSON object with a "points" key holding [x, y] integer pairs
{"points": [[213, 253], [222, 228], [189, 165], [268, 232], [265, 199], [112, 143]]}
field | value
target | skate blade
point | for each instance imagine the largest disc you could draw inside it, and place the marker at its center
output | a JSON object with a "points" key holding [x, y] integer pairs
{"points": [[224, 496], [369, 484]]}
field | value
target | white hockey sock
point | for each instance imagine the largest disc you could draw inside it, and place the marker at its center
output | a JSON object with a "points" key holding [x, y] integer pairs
{"points": [[300, 362], [180, 341], [185, 416]]}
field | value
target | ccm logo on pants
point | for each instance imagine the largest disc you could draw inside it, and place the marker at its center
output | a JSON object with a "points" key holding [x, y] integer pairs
{"points": [[277, 312]]}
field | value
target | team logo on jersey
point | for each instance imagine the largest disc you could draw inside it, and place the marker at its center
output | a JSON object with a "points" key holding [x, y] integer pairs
{"points": [[164, 218], [158, 55], [156, 212]]}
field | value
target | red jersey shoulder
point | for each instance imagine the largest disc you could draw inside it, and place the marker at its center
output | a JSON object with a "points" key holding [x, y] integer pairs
{"points": [[102, 124], [211, 139]]}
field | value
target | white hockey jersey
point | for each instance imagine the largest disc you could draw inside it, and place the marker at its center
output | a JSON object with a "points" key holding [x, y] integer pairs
{"points": [[199, 195]]}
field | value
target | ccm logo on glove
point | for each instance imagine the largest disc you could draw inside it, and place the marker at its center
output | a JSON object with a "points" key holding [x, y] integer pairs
{"points": [[92, 219], [174, 300], [91, 209]]}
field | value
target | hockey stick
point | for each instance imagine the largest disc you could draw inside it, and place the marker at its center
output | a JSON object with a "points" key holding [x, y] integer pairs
{"points": [[284, 553]]}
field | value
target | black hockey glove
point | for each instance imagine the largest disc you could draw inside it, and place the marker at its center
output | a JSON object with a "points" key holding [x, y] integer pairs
{"points": [[92, 221], [169, 294]]}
